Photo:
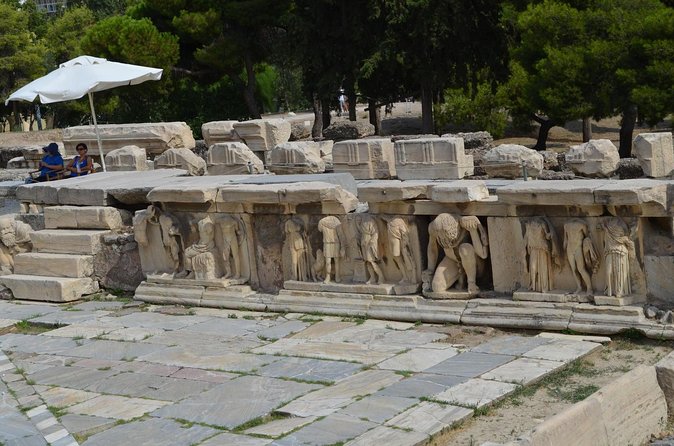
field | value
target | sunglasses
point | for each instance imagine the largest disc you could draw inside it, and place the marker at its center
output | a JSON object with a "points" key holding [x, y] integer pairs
{"points": [[81, 148]]}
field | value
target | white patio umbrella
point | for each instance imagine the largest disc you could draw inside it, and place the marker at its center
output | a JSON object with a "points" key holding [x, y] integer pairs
{"points": [[84, 75]]}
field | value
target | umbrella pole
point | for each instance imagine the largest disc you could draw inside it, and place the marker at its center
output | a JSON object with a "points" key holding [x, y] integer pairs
{"points": [[98, 135]]}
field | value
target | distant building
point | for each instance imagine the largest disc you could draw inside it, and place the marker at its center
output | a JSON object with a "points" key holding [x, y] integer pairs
{"points": [[51, 6]]}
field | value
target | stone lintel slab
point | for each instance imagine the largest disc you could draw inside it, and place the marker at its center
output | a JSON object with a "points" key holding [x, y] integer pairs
{"points": [[632, 299], [345, 180], [551, 296], [48, 289], [193, 189], [550, 193], [383, 191], [85, 217], [287, 193], [502, 313], [100, 189], [632, 193], [464, 191]]}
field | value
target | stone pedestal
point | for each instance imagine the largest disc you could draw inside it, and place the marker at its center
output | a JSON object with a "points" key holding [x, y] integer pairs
{"points": [[556, 296], [352, 288], [365, 158], [431, 159]]}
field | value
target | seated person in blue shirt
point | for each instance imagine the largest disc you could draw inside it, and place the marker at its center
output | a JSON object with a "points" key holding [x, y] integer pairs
{"points": [[51, 164], [81, 164]]}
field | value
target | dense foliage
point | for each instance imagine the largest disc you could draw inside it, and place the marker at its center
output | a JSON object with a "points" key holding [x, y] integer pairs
{"points": [[474, 64]]}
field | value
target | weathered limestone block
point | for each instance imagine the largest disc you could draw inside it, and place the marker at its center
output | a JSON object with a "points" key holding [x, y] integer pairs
{"points": [[20, 162], [634, 396], [55, 265], [117, 265], [232, 158], [665, 372], [126, 158], [506, 161], [297, 157], [49, 289], [597, 158], [300, 130], [262, 135], [431, 159], [659, 273], [365, 159], [181, 159], [218, 131], [154, 137], [85, 217], [345, 130], [65, 241], [14, 240], [655, 152], [578, 425]]}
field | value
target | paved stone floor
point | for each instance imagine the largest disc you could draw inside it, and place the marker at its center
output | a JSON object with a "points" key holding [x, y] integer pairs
{"points": [[169, 376]]}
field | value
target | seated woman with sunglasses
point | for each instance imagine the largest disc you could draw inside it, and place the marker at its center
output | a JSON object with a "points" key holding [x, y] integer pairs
{"points": [[81, 164]]}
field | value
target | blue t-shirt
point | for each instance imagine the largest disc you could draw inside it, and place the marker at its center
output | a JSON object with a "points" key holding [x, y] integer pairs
{"points": [[52, 160]]}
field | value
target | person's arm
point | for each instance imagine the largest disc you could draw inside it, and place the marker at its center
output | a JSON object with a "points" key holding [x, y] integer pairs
{"points": [[90, 164], [69, 166]]}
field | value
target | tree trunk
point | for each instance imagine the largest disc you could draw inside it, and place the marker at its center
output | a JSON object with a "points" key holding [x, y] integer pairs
{"points": [[351, 95], [587, 129], [546, 125], [16, 126], [375, 116], [327, 118], [249, 88], [626, 131], [426, 107], [317, 129]]}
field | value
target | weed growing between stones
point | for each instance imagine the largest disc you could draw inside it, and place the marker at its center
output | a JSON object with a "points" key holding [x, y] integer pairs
{"points": [[27, 327]]}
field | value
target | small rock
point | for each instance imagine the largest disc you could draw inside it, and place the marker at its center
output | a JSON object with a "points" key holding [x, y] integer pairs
{"points": [[629, 168], [650, 311]]}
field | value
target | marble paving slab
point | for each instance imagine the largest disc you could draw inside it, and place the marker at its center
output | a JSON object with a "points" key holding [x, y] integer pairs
{"points": [[154, 431], [117, 407], [252, 397], [330, 430], [329, 399], [563, 350], [308, 369], [418, 359], [476, 393], [523, 370], [469, 364], [430, 418]]}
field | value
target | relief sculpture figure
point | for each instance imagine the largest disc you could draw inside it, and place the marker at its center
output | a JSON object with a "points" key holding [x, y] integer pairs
{"points": [[399, 248], [542, 250], [618, 249], [581, 254], [232, 236], [333, 245], [14, 239], [369, 249], [463, 240], [200, 257], [169, 234], [298, 248]]}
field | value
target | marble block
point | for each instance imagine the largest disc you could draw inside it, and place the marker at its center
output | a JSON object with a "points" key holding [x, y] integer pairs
{"points": [[365, 158], [430, 159]]}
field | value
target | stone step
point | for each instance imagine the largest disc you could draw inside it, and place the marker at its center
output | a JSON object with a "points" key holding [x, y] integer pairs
{"points": [[54, 265], [48, 289], [85, 217], [67, 241]]}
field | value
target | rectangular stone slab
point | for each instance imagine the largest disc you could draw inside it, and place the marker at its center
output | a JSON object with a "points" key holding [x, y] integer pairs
{"points": [[192, 189], [57, 265], [550, 193], [85, 217], [382, 191], [48, 289], [67, 241], [463, 191]]}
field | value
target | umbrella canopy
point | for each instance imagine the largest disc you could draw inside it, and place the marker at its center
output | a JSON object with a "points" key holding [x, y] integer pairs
{"points": [[84, 75]]}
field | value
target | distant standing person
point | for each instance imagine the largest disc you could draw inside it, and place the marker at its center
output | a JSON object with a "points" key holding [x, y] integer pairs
{"points": [[81, 164], [343, 103]]}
